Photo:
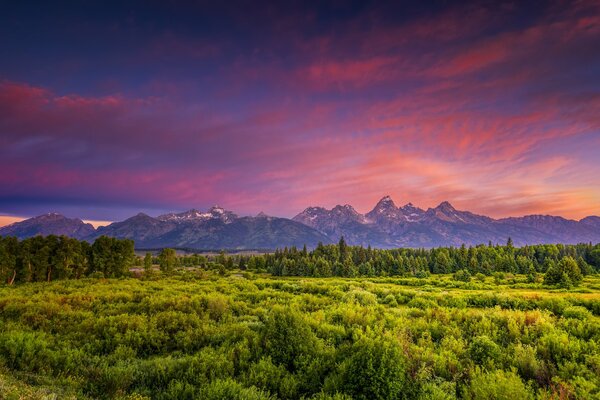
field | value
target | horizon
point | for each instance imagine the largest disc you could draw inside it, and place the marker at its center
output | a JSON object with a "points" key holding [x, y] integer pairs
{"points": [[6, 220], [110, 109]]}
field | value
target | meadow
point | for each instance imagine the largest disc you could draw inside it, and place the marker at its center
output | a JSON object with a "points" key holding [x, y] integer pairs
{"points": [[212, 334]]}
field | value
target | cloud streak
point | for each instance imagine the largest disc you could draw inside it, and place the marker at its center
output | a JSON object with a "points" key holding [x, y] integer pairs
{"points": [[497, 113]]}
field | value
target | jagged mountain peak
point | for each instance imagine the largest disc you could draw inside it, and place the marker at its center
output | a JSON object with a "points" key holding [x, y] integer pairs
{"points": [[410, 207], [214, 229], [445, 205], [320, 216], [344, 208], [222, 214], [387, 226], [193, 215], [446, 212], [385, 211], [313, 209], [310, 214], [386, 202], [412, 212]]}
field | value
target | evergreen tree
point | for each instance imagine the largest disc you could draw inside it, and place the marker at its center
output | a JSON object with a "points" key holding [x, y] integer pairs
{"points": [[565, 273]]}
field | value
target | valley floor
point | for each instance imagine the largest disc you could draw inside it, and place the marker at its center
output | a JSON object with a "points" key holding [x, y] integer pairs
{"points": [[247, 336]]}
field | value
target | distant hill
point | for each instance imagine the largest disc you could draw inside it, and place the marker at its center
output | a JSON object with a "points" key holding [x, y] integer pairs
{"points": [[48, 224], [385, 226]]}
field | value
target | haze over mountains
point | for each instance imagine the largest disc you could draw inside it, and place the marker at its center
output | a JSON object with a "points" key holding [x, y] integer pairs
{"points": [[386, 226]]}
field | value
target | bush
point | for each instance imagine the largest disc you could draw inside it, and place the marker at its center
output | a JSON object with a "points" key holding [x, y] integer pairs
{"points": [[231, 390], [25, 351], [483, 350], [375, 369], [462, 275], [295, 338], [577, 312], [422, 303], [422, 274], [273, 378], [438, 391], [360, 296], [288, 339], [390, 300], [497, 385]]}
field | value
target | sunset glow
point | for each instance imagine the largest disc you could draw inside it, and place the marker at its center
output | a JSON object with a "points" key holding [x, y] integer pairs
{"points": [[105, 112]]}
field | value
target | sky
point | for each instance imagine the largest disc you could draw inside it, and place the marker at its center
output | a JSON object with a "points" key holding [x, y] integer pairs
{"points": [[112, 108]]}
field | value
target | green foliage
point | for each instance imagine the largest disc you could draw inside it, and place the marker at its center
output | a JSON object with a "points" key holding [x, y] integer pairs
{"points": [[350, 261], [462, 275], [231, 390], [48, 258], [113, 257], [497, 385], [564, 274], [288, 339], [484, 351], [167, 259], [374, 369], [148, 262], [194, 334]]}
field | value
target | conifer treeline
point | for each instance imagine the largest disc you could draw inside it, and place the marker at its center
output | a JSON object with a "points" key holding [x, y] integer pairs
{"points": [[351, 261], [52, 257]]}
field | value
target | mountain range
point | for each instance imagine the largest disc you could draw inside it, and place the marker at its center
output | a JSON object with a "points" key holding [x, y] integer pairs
{"points": [[388, 226], [214, 229], [385, 226]]}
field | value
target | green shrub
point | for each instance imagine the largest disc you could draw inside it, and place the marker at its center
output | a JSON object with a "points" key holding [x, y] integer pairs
{"points": [[374, 369], [231, 390], [577, 312], [288, 339], [422, 303], [483, 350], [462, 275], [497, 385]]}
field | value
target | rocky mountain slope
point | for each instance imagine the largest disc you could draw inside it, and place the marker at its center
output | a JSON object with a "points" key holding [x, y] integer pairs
{"points": [[388, 225], [212, 230], [385, 226], [48, 224]]}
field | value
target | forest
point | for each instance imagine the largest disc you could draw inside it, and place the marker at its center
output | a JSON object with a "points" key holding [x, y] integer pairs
{"points": [[89, 321], [51, 257]]}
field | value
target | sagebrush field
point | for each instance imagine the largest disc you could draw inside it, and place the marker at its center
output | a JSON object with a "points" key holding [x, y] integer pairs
{"points": [[201, 335]]}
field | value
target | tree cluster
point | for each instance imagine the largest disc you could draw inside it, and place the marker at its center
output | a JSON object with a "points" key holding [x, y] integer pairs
{"points": [[59, 257], [353, 261]]}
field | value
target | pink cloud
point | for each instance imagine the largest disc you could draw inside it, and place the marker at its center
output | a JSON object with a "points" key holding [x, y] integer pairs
{"points": [[431, 110]]}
